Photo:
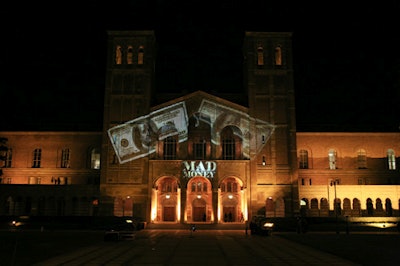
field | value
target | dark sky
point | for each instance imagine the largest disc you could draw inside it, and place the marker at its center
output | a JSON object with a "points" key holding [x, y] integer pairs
{"points": [[346, 56]]}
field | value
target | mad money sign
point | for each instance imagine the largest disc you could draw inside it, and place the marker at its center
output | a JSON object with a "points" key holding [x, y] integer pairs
{"points": [[199, 168]]}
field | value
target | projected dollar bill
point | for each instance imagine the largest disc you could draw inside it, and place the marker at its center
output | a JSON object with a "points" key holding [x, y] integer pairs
{"points": [[138, 138], [244, 126]]}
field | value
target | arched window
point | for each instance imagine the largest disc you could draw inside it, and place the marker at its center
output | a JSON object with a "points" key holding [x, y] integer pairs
{"points": [[129, 56], [391, 159], [260, 56], [278, 56], [141, 55], [118, 55], [361, 159], [36, 158], [332, 159], [303, 160], [231, 143]]}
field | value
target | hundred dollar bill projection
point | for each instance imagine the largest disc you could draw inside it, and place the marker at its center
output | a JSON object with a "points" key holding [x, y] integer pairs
{"points": [[252, 131], [138, 137]]}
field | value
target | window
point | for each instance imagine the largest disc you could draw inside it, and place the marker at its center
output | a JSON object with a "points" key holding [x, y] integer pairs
{"points": [[170, 148], [332, 159], [260, 56], [278, 56], [362, 159], [129, 56], [65, 158], [228, 149], [199, 150], [230, 185], [303, 160], [141, 55], [8, 158], [118, 55], [391, 159], [95, 159], [37, 157]]}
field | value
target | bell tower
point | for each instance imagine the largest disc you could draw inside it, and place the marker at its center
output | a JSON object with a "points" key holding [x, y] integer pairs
{"points": [[128, 93], [268, 74]]}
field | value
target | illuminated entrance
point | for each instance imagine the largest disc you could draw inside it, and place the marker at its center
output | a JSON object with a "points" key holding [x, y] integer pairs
{"points": [[197, 201], [232, 198]]}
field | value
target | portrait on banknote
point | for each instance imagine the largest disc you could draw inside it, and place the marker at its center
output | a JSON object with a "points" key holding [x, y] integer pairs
{"points": [[138, 138]]}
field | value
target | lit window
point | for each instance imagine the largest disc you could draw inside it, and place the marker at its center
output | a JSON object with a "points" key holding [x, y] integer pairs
{"points": [[141, 55], [303, 160], [37, 157], [391, 159], [362, 159], [260, 56], [332, 159], [129, 56], [278, 56], [118, 55], [65, 158], [95, 159]]}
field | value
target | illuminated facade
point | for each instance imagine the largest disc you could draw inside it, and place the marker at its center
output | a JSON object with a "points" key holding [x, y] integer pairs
{"points": [[199, 156]]}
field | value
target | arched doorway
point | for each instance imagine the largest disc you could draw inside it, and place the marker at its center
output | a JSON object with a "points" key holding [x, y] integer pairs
{"points": [[199, 199], [231, 200], [166, 200]]}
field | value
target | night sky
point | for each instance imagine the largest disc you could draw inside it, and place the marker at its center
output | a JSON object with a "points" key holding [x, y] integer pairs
{"points": [[346, 56]]}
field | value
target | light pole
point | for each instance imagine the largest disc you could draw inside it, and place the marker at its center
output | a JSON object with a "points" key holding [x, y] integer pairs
{"points": [[334, 183]]}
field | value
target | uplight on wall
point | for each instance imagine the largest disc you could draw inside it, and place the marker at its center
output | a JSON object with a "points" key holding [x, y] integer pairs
{"points": [[167, 196], [230, 197], [263, 161]]}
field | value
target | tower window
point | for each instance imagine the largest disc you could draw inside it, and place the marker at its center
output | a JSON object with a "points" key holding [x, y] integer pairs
{"points": [[95, 159], [278, 56], [129, 56], [260, 56], [118, 55], [141, 55]]}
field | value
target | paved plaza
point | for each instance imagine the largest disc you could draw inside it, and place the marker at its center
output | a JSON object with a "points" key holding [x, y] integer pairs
{"points": [[202, 247]]}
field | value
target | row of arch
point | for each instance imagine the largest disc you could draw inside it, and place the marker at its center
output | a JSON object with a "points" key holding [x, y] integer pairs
{"points": [[198, 201], [348, 207]]}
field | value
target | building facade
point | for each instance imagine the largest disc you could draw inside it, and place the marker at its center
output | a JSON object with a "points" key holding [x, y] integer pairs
{"points": [[198, 156]]}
